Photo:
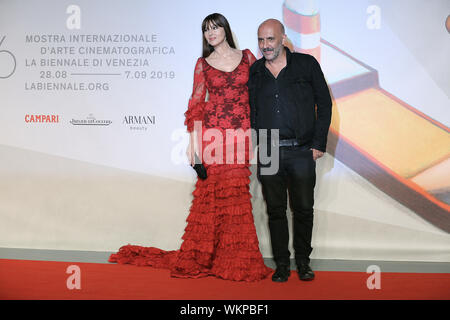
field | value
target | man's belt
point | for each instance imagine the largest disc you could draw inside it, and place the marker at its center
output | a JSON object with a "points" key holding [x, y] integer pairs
{"points": [[287, 143]]}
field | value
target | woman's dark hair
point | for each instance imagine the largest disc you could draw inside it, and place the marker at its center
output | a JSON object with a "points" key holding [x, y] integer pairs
{"points": [[216, 19]]}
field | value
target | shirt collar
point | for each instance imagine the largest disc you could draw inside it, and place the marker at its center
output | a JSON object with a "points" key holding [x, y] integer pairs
{"points": [[288, 55]]}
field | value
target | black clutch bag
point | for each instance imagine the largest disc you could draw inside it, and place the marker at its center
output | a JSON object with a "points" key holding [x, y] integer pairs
{"points": [[199, 168]]}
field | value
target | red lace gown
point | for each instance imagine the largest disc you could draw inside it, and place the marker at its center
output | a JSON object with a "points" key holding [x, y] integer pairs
{"points": [[220, 237]]}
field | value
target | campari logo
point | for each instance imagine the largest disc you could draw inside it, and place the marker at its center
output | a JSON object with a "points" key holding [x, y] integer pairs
{"points": [[42, 118], [139, 122], [90, 121]]}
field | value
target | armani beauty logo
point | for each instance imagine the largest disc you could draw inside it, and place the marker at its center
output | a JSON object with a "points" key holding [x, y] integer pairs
{"points": [[139, 122]]}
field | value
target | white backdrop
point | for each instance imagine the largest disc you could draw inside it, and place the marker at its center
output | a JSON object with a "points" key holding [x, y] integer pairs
{"points": [[92, 138]]}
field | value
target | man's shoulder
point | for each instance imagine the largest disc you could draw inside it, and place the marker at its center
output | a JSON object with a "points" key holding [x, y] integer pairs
{"points": [[302, 58]]}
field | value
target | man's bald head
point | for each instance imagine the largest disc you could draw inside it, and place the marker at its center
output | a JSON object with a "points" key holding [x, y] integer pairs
{"points": [[273, 23]]}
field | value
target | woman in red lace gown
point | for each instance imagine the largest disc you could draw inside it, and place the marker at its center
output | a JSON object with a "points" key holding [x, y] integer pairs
{"points": [[220, 237]]}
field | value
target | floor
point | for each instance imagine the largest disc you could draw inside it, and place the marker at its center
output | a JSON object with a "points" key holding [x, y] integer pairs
{"points": [[316, 264]]}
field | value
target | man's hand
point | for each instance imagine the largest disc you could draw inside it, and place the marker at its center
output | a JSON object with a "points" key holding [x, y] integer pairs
{"points": [[316, 154]]}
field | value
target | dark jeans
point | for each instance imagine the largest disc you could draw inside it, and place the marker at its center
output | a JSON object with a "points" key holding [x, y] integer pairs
{"points": [[297, 175]]}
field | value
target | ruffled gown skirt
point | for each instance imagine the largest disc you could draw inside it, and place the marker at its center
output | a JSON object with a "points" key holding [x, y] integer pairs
{"points": [[220, 237]]}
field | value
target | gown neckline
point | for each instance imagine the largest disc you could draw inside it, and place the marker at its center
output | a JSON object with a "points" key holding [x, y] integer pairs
{"points": [[240, 62]]}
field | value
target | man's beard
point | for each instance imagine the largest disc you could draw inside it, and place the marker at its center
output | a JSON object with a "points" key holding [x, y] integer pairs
{"points": [[276, 52]]}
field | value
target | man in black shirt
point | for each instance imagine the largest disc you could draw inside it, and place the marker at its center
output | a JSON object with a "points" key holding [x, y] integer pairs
{"points": [[288, 93]]}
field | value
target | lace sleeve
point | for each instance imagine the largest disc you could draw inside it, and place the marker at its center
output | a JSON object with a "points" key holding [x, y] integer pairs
{"points": [[197, 100], [251, 58]]}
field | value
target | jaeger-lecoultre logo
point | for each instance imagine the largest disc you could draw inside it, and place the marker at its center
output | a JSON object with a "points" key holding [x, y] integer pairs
{"points": [[90, 121]]}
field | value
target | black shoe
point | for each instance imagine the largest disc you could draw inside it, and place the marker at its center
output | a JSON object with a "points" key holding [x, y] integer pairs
{"points": [[281, 274], [304, 272]]}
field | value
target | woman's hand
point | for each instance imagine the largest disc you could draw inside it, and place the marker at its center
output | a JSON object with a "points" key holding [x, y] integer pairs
{"points": [[190, 151]]}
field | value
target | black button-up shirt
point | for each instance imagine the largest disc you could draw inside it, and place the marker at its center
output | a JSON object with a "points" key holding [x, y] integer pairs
{"points": [[275, 110], [305, 101]]}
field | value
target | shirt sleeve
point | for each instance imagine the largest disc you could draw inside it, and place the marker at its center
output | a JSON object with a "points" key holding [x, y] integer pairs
{"points": [[324, 105], [197, 100]]}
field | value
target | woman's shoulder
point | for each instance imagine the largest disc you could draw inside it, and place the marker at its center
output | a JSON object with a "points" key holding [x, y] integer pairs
{"points": [[199, 64], [248, 52], [200, 60], [249, 55]]}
